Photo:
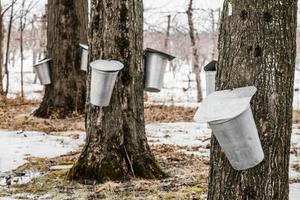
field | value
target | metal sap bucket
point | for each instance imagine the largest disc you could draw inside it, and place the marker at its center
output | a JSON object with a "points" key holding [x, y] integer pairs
{"points": [[229, 115], [210, 75], [84, 57], [104, 75], [42, 69], [155, 65]]}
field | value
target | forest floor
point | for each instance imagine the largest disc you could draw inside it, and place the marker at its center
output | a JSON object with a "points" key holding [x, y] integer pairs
{"points": [[16, 114], [43, 177], [45, 156]]}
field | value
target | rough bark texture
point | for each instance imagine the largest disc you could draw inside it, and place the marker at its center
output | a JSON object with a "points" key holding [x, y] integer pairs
{"points": [[257, 46], [67, 26], [195, 53], [116, 145]]}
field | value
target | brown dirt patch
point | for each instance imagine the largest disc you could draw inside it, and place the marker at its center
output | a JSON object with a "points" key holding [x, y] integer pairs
{"points": [[162, 113], [296, 116], [15, 114]]}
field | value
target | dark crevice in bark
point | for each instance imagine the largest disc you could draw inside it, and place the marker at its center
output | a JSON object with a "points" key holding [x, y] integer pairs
{"points": [[267, 17], [244, 15], [258, 51]]}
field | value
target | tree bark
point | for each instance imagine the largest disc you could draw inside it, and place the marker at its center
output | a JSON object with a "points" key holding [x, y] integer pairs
{"points": [[8, 45], [22, 27], [195, 53], [67, 25], [116, 145], [257, 46]]}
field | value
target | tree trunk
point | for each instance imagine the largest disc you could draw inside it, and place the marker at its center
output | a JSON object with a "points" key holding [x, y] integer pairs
{"points": [[167, 38], [213, 34], [67, 25], [8, 45], [195, 53], [258, 47], [116, 145], [22, 27]]}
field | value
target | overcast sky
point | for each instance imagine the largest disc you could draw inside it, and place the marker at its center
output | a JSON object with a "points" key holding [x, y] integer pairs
{"points": [[181, 5], [155, 9], [166, 5]]}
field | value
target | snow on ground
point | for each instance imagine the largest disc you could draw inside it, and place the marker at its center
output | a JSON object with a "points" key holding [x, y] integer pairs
{"points": [[15, 147], [193, 137], [31, 90], [294, 191], [180, 88], [196, 135]]}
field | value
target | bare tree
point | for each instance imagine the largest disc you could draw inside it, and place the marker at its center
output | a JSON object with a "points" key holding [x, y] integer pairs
{"points": [[168, 33], [214, 30], [22, 26], [195, 53], [8, 45], [23, 23]]}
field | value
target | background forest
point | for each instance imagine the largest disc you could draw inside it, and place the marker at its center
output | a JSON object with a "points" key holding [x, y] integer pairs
{"points": [[52, 140]]}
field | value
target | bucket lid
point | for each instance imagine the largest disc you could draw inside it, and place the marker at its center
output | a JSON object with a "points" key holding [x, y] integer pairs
{"points": [[212, 66], [42, 61], [224, 104], [149, 50], [86, 47], [107, 65]]}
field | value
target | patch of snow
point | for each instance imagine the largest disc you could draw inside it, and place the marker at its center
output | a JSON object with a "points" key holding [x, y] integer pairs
{"points": [[180, 88], [294, 191], [31, 90], [181, 134], [16, 147], [60, 167], [293, 174]]}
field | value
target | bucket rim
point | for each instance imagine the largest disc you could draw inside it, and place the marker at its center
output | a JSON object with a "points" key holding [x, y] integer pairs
{"points": [[105, 72], [222, 121], [211, 66], [107, 65], [45, 60], [152, 89], [149, 50], [84, 46], [224, 104]]}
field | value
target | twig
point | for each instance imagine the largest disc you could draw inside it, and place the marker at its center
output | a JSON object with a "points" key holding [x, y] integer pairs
{"points": [[8, 7], [131, 168], [205, 139]]}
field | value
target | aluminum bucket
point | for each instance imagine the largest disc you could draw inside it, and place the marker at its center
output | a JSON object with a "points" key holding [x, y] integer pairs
{"points": [[229, 115], [238, 137], [42, 69], [210, 81], [155, 66], [84, 57], [104, 75]]}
